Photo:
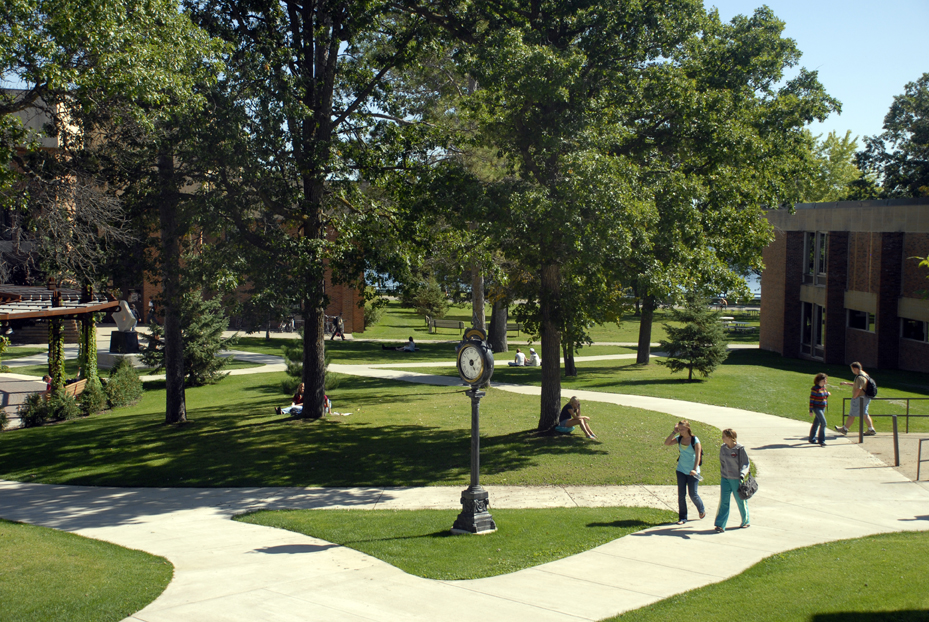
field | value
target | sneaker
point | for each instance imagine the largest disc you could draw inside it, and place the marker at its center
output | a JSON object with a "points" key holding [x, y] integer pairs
{"points": [[870, 432], [822, 444], [841, 429], [278, 410]]}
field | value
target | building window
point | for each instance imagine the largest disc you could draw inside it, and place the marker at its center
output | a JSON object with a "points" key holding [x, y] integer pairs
{"points": [[814, 252], [861, 320], [812, 330], [914, 329]]}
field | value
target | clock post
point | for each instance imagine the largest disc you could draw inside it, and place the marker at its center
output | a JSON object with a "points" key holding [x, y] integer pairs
{"points": [[475, 366]]}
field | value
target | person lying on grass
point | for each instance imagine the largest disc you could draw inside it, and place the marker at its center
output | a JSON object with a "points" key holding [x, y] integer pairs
{"points": [[409, 347], [571, 416]]}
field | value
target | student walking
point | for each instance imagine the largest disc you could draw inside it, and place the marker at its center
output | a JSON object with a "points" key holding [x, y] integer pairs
{"points": [[733, 467], [859, 395], [688, 469], [818, 402]]}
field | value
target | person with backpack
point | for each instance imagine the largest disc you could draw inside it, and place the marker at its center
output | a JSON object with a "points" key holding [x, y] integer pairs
{"points": [[733, 467], [864, 388], [690, 457]]}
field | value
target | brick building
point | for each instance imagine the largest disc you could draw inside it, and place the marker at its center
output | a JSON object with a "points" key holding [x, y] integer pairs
{"points": [[841, 284]]}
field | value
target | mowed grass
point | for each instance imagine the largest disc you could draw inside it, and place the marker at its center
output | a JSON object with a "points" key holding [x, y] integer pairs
{"points": [[398, 434], [400, 323], [361, 352], [753, 380], [420, 542], [49, 575], [71, 369], [879, 578]]}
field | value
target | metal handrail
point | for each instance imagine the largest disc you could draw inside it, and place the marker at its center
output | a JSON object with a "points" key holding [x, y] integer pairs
{"points": [[889, 399], [895, 429]]}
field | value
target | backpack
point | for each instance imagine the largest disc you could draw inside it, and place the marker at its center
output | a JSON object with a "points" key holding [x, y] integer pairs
{"points": [[693, 441], [870, 389]]}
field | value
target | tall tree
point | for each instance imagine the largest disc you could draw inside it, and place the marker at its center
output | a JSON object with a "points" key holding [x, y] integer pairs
{"points": [[630, 129], [304, 113], [899, 156], [836, 171]]}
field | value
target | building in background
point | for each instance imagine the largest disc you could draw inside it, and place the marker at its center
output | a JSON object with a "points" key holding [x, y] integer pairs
{"points": [[842, 283]]}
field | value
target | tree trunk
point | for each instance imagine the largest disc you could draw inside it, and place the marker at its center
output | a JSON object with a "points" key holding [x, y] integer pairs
{"points": [[550, 300], [477, 298], [643, 356], [175, 399], [496, 334], [314, 313], [568, 352]]}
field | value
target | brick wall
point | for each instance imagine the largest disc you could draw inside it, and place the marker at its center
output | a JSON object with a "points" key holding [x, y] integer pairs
{"points": [[914, 356], [837, 273], [861, 346], [887, 323], [344, 300], [862, 261], [771, 335]]}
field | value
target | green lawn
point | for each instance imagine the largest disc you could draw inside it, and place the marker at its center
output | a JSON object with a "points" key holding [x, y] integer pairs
{"points": [[399, 324], [18, 352], [420, 542], [71, 369], [873, 579], [754, 380], [399, 434], [55, 576]]}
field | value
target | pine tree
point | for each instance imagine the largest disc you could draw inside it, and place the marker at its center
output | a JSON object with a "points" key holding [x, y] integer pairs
{"points": [[203, 324], [699, 344]]}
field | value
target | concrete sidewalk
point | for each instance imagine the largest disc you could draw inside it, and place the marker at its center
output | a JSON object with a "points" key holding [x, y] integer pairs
{"points": [[232, 571]]}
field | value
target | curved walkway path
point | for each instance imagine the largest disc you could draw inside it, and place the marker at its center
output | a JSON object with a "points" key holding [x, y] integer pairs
{"points": [[233, 571]]}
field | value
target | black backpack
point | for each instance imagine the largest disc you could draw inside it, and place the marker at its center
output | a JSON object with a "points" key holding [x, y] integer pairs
{"points": [[693, 442], [870, 389]]}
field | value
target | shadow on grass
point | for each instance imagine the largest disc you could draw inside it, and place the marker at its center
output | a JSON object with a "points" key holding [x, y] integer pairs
{"points": [[907, 615], [622, 524]]}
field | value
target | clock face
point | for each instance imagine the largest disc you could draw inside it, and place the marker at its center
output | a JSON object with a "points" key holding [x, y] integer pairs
{"points": [[470, 363]]}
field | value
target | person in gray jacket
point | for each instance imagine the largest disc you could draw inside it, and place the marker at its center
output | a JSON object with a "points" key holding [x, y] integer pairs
{"points": [[733, 467]]}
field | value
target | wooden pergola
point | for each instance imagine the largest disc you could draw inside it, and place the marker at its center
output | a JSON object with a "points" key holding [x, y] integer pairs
{"points": [[52, 303]]}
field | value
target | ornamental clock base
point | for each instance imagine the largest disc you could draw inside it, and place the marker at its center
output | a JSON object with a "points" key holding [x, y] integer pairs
{"points": [[474, 517]]}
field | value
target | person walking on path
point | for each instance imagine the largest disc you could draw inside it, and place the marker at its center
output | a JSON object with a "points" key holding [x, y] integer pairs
{"points": [[339, 328], [733, 467], [688, 469], [860, 384], [818, 402], [570, 416]]}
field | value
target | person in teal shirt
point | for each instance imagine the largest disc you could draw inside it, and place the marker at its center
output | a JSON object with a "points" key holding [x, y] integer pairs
{"points": [[688, 469]]}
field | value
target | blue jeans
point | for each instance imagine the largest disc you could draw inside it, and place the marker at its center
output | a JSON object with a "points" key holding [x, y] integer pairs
{"points": [[730, 488], [819, 421], [687, 484]]}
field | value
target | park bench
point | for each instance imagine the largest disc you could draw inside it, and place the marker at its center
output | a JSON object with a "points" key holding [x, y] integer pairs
{"points": [[75, 388], [435, 324], [510, 326]]}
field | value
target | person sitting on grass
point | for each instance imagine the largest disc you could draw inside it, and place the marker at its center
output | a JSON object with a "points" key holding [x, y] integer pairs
{"points": [[571, 416], [409, 347], [296, 405], [519, 361], [533, 360]]}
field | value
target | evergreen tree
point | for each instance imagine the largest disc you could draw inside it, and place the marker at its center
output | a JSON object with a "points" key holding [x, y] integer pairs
{"points": [[699, 344], [203, 323]]}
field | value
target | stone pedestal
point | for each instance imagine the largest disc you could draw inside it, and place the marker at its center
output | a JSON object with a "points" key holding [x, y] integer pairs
{"points": [[124, 343], [474, 517]]}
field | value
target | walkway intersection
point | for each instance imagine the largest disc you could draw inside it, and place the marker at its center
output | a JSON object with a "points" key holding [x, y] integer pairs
{"points": [[226, 570]]}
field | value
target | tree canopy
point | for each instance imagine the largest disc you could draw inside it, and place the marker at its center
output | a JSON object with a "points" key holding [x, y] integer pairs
{"points": [[899, 157]]}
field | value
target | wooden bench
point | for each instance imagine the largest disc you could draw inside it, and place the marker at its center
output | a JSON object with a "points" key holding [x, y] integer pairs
{"points": [[75, 388], [514, 326], [435, 324]]}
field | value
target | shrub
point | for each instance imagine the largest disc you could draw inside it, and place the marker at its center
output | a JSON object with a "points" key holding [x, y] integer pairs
{"points": [[34, 411], [93, 399], [4, 419], [427, 299], [123, 387], [374, 311], [63, 407]]}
